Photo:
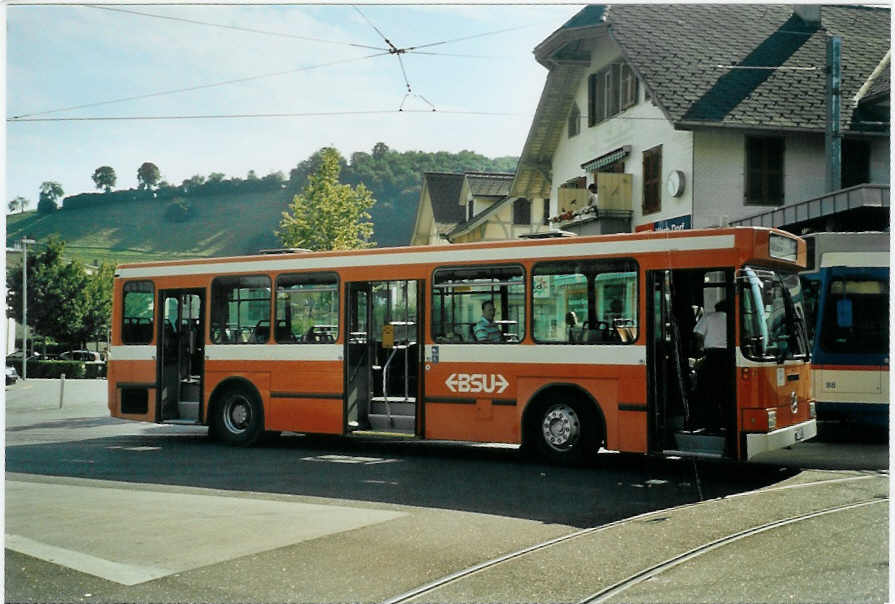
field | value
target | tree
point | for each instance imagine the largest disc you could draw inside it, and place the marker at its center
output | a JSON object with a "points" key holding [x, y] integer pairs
{"points": [[97, 305], [148, 175], [104, 177], [216, 177], [56, 300], [50, 192], [380, 150], [327, 215], [18, 204]]}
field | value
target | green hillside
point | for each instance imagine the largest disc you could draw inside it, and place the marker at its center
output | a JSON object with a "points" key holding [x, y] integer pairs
{"points": [[135, 231], [235, 216]]}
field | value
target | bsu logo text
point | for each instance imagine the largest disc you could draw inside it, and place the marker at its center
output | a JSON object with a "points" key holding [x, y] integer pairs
{"points": [[477, 382]]}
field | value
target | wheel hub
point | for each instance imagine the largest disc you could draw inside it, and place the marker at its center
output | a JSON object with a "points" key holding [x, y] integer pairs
{"points": [[561, 427], [238, 415]]}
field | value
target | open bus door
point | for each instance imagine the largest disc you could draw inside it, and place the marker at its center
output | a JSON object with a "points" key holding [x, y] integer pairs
{"points": [[692, 397], [382, 357], [181, 355]]}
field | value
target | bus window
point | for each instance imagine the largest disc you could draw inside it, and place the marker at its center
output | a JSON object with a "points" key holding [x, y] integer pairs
{"points": [[856, 317], [240, 309], [458, 295], [139, 301], [307, 308], [585, 302]]}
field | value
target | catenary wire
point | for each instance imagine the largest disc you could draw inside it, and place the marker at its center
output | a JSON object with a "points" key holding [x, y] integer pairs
{"points": [[232, 27], [258, 115], [17, 118]]}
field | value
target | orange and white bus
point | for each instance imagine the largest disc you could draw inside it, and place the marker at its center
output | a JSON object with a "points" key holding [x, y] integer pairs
{"points": [[592, 344]]}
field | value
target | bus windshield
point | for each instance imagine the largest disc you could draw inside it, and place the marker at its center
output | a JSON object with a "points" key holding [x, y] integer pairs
{"points": [[772, 317]]}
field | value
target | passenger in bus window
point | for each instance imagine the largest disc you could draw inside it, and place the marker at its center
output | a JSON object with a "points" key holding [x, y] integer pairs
{"points": [[711, 336], [486, 330], [574, 333]]}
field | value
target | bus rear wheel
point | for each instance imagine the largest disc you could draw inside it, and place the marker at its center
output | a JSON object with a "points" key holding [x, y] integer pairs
{"points": [[238, 418], [564, 431]]}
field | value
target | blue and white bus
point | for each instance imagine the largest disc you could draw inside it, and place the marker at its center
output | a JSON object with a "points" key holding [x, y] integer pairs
{"points": [[846, 289]]}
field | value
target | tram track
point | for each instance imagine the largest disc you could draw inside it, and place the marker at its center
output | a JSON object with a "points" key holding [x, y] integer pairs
{"points": [[656, 569], [613, 590]]}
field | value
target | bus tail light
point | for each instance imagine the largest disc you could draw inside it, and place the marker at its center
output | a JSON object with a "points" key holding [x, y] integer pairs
{"points": [[812, 412], [772, 420]]}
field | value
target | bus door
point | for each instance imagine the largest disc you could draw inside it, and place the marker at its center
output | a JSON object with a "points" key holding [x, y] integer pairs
{"points": [[691, 390], [382, 369], [181, 354]]}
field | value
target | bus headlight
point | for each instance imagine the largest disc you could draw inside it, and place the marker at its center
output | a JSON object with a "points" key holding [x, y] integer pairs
{"points": [[772, 420], [812, 412]]}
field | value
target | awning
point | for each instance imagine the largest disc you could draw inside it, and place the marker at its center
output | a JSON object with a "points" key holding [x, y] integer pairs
{"points": [[607, 159]]}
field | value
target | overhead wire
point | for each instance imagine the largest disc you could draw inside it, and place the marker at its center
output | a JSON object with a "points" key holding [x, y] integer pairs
{"points": [[232, 27], [263, 115], [392, 49], [21, 117]]}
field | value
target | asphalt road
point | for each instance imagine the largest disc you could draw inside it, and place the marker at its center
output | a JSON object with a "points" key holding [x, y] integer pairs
{"points": [[102, 510]]}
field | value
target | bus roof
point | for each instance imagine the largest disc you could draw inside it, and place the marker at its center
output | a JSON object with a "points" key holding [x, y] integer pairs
{"points": [[866, 248], [617, 244]]}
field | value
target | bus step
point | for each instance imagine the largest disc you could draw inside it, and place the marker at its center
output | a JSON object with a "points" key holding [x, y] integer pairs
{"points": [[397, 405], [700, 444], [399, 423]]}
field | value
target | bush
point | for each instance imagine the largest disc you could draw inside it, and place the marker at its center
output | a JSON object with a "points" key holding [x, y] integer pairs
{"points": [[179, 210], [73, 370], [46, 206]]}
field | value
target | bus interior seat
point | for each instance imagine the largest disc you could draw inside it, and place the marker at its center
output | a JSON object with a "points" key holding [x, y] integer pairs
{"points": [[261, 332], [284, 333]]}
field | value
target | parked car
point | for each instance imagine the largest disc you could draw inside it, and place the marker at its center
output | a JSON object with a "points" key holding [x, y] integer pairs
{"points": [[87, 356], [17, 356], [12, 376]]}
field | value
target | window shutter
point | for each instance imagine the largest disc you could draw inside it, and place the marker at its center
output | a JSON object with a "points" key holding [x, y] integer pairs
{"points": [[592, 99], [612, 89]]}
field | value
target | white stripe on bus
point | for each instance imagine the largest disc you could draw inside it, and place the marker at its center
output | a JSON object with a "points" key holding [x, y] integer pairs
{"points": [[438, 255], [448, 353], [540, 354], [132, 353]]}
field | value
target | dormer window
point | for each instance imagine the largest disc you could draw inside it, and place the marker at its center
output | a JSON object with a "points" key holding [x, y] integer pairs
{"points": [[470, 209], [574, 120]]}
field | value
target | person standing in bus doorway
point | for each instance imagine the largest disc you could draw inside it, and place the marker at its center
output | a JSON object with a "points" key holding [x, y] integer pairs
{"points": [[486, 330], [711, 336]]}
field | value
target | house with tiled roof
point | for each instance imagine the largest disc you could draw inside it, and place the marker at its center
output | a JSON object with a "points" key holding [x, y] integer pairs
{"points": [[473, 206], [687, 116]]}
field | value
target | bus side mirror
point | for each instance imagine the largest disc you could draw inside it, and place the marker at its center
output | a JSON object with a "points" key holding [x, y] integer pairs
{"points": [[844, 313]]}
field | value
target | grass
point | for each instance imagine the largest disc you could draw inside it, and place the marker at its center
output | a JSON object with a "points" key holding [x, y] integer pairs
{"points": [[222, 225]]}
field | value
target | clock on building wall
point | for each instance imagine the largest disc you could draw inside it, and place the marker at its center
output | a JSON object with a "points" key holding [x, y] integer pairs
{"points": [[674, 184]]}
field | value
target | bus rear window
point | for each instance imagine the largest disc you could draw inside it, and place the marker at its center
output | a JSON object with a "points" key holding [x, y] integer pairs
{"points": [[240, 310], [856, 317], [139, 304]]}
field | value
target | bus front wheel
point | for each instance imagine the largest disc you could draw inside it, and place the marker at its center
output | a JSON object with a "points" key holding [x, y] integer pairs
{"points": [[564, 431], [238, 418]]}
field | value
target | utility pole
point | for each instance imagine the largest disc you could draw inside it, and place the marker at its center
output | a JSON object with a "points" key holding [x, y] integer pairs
{"points": [[833, 138], [25, 243]]}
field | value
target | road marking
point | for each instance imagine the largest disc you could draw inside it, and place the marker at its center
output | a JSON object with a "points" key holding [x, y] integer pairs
{"points": [[126, 574]]}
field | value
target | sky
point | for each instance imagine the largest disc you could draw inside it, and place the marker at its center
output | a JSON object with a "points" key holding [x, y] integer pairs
{"points": [[313, 62]]}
